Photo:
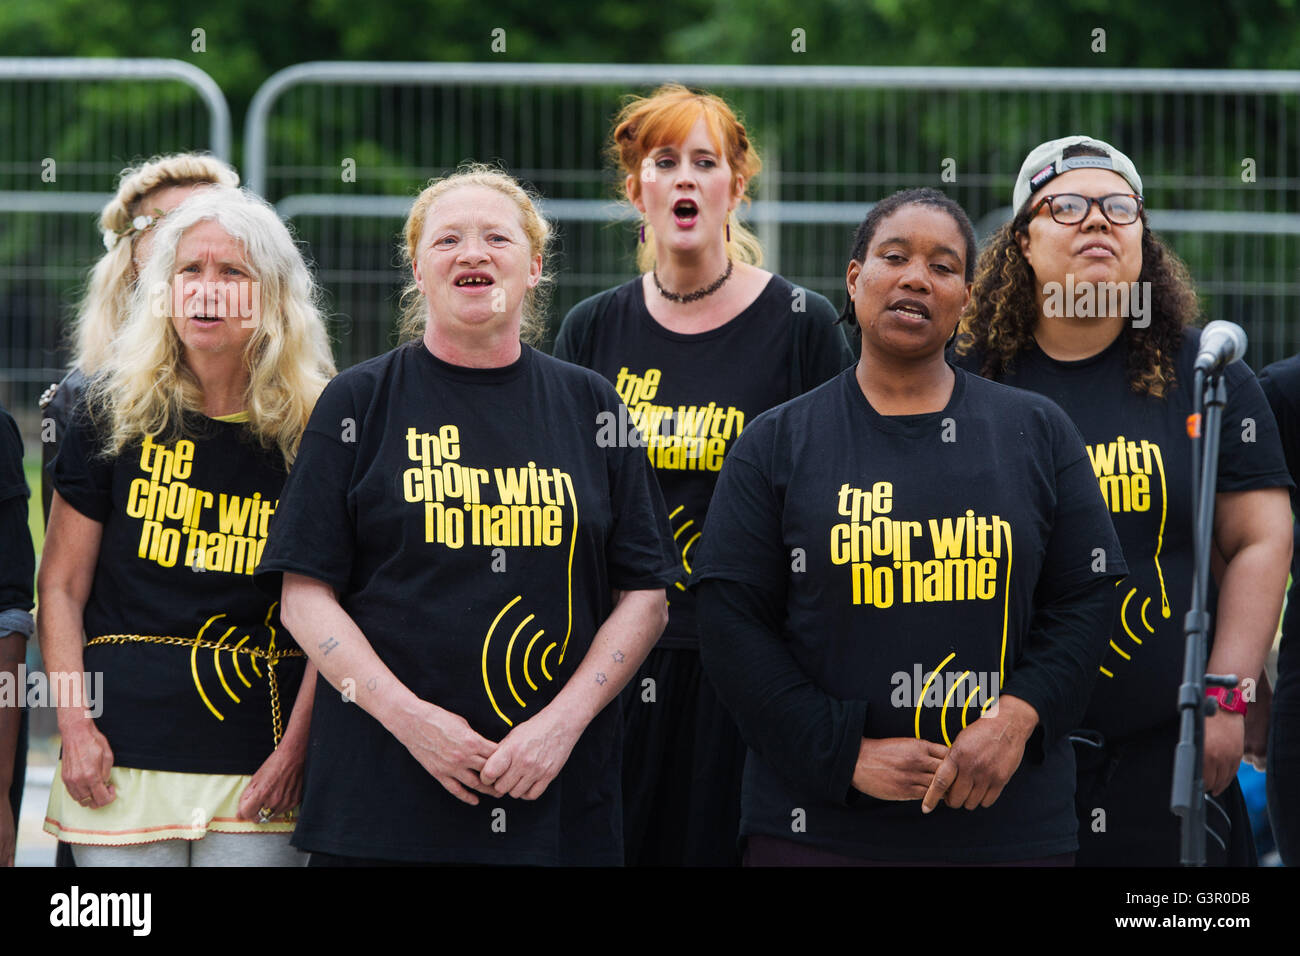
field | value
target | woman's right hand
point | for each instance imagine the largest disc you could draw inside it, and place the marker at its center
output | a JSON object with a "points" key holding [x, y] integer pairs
{"points": [[447, 747], [896, 768], [87, 761]]}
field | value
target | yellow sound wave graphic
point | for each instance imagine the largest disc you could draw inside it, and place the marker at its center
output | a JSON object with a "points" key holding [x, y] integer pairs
{"points": [[194, 666], [684, 549], [519, 629], [943, 714], [1006, 610], [239, 648], [1160, 535], [1128, 628], [925, 687], [965, 678], [234, 650], [1165, 611]]}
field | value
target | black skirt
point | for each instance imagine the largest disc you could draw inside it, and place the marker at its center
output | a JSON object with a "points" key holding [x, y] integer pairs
{"points": [[682, 763]]}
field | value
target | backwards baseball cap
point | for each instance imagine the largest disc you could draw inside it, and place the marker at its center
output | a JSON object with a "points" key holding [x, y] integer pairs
{"points": [[1044, 163]]}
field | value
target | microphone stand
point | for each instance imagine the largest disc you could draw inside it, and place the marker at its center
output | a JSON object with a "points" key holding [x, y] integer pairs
{"points": [[1188, 797]]}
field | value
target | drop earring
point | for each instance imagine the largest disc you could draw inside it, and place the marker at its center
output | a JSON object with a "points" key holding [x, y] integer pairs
{"points": [[643, 233]]}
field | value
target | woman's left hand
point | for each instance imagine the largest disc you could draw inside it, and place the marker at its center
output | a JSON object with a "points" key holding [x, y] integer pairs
{"points": [[532, 755], [277, 786], [1225, 741]]}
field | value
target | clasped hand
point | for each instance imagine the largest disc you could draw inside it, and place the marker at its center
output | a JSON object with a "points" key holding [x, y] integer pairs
{"points": [[521, 765], [971, 773]]}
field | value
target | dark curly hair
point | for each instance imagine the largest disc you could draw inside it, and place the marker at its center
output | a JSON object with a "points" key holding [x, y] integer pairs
{"points": [[890, 205], [1000, 318]]}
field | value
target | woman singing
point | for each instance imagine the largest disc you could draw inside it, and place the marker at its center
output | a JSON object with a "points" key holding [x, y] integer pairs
{"points": [[474, 555], [185, 743], [904, 587], [697, 346]]}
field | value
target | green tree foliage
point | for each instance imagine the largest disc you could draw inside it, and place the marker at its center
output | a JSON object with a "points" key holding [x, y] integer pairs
{"points": [[1236, 34], [246, 40], [840, 145]]}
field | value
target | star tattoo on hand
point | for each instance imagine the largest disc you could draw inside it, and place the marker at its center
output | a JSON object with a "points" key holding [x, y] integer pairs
{"points": [[600, 677], [618, 657]]}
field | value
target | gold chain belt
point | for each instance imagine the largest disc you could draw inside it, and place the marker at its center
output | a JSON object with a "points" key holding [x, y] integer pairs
{"points": [[272, 656]]}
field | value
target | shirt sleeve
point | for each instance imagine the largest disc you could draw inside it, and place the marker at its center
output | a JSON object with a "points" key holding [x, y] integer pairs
{"points": [[740, 579], [1280, 384], [18, 568], [313, 531], [19, 564], [13, 482], [1281, 388], [572, 341], [55, 413], [824, 350], [82, 476], [743, 539], [810, 737], [641, 552], [1250, 448], [566, 340], [1066, 645], [1074, 599], [819, 350]]}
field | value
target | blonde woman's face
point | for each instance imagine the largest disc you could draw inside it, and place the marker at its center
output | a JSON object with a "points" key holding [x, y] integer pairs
{"points": [[214, 302], [473, 264], [166, 199]]}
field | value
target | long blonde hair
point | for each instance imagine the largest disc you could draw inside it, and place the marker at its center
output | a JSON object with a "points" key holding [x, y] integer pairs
{"points": [[666, 116], [145, 386], [414, 308], [108, 292]]}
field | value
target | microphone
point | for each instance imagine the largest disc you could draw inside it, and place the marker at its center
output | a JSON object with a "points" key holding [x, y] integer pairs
{"points": [[1221, 344]]}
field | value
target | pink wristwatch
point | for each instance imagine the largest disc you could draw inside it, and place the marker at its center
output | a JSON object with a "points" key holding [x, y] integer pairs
{"points": [[1229, 698]]}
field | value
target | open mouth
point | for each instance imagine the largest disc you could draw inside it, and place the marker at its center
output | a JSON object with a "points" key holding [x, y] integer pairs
{"points": [[685, 212], [472, 280], [911, 309], [206, 319]]}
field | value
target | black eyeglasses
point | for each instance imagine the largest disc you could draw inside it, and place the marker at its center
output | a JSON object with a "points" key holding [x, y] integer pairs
{"points": [[1070, 209]]}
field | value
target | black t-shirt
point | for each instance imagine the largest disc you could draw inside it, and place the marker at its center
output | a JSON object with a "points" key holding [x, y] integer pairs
{"points": [[57, 405], [184, 524], [912, 553], [693, 394], [1281, 385], [1141, 456], [473, 527], [18, 563]]}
